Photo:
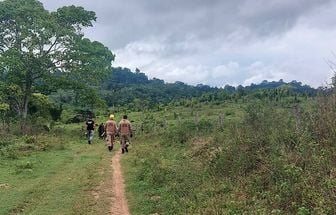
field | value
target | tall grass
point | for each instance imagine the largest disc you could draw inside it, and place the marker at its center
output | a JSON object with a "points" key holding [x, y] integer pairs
{"points": [[274, 160]]}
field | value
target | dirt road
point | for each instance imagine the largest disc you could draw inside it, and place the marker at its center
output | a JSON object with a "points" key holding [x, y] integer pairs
{"points": [[119, 202]]}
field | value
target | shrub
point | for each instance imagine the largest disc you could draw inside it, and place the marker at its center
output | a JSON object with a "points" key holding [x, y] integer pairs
{"points": [[8, 153], [40, 105], [179, 133], [24, 167]]}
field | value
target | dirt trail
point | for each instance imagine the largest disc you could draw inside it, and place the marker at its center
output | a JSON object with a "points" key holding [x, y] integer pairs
{"points": [[119, 202]]}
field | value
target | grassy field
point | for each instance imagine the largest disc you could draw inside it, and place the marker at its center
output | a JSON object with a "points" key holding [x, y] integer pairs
{"points": [[53, 174], [58, 173], [264, 159], [230, 158], [166, 176]]}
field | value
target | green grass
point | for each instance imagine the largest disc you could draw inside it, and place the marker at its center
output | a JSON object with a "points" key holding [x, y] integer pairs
{"points": [[59, 180], [166, 177], [261, 162], [171, 180], [183, 162]]}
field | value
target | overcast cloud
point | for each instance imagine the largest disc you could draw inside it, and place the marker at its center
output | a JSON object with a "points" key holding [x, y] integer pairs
{"points": [[217, 42]]}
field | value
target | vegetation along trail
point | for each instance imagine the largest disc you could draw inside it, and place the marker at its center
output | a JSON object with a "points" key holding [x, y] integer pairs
{"points": [[263, 148]]}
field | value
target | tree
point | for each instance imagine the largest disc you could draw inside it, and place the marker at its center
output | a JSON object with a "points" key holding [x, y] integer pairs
{"points": [[332, 67], [42, 50]]}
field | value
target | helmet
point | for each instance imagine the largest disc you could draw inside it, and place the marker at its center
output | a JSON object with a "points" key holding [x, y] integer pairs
{"points": [[112, 117]]}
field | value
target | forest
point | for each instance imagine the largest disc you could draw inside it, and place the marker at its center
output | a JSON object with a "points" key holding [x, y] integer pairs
{"points": [[123, 89]]}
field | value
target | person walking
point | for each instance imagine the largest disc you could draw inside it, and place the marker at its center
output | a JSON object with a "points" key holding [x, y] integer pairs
{"points": [[125, 132], [90, 126], [111, 130], [101, 131]]}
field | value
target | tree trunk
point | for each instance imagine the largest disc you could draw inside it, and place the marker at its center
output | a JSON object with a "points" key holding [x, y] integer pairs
{"points": [[27, 94], [23, 109], [24, 113], [25, 106]]}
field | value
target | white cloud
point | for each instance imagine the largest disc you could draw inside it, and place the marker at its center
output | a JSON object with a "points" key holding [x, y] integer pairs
{"points": [[218, 42], [225, 71]]}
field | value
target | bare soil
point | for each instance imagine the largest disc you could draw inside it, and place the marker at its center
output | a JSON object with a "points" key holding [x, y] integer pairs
{"points": [[119, 202]]}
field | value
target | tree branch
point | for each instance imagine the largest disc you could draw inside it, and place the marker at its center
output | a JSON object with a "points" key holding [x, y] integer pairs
{"points": [[52, 45]]}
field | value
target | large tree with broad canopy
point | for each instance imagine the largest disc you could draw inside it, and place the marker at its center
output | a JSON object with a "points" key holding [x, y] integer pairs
{"points": [[42, 50]]}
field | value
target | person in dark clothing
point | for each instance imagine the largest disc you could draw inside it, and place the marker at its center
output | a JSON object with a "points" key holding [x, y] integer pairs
{"points": [[90, 126], [101, 131]]}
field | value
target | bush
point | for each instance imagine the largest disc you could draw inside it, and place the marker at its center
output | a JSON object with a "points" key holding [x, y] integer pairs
{"points": [[76, 116], [273, 156], [39, 105], [56, 112], [8, 153], [179, 133], [4, 143]]}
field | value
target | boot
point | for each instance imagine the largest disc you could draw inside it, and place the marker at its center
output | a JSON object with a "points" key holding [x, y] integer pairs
{"points": [[89, 141], [122, 151], [126, 149]]}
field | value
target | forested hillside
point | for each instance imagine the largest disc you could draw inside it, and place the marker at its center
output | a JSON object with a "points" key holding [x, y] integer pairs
{"points": [[135, 90], [123, 87]]}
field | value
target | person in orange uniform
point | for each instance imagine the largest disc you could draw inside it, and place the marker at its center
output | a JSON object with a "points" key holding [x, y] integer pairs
{"points": [[111, 131], [125, 132]]}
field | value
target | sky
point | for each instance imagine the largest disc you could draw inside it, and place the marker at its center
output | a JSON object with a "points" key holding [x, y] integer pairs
{"points": [[217, 42]]}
